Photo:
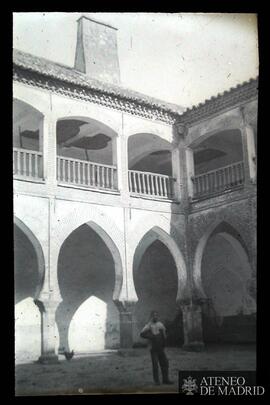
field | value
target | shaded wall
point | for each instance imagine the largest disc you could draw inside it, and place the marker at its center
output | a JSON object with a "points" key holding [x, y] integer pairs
{"points": [[156, 162], [217, 151], [25, 266], [230, 315]]}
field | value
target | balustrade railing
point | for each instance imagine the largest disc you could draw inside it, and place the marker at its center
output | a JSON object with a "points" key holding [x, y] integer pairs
{"points": [[150, 184], [219, 180], [27, 163], [87, 174]]}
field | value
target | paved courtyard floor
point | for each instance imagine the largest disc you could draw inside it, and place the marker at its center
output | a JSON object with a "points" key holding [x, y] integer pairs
{"points": [[125, 372]]}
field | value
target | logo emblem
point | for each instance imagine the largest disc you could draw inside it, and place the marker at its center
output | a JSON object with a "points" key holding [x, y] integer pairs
{"points": [[189, 386]]}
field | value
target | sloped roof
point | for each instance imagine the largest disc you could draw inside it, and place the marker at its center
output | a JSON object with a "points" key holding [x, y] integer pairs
{"points": [[45, 68], [70, 75], [235, 95]]}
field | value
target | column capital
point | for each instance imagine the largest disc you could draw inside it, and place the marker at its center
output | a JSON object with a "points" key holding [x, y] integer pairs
{"points": [[47, 305], [125, 307], [249, 118], [181, 129], [176, 143], [192, 302], [49, 296]]}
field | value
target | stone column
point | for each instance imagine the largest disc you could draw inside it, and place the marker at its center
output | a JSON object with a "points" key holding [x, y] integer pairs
{"points": [[49, 148], [192, 324], [249, 151], [48, 331], [176, 172], [120, 151], [117, 152], [190, 171], [180, 132], [126, 314]]}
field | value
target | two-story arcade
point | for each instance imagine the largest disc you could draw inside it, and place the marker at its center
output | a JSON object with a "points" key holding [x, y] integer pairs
{"points": [[124, 204]]}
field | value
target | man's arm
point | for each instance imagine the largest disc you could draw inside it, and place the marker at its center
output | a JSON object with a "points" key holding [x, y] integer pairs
{"points": [[146, 332], [162, 327], [146, 328]]}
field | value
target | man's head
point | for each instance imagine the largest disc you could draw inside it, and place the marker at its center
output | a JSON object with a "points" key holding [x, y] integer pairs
{"points": [[154, 316]]}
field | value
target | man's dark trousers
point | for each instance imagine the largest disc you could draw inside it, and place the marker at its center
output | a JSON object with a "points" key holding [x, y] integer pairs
{"points": [[158, 356]]}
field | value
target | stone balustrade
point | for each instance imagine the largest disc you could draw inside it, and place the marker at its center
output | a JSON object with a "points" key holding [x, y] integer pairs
{"points": [[219, 180]]}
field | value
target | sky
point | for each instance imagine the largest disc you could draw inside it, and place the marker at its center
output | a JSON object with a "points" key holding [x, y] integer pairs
{"points": [[181, 58]]}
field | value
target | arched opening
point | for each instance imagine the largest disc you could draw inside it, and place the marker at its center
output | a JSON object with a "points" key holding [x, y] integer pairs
{"points": [[90, 318], [225, 275], [218, 162], [221, 149], [156, 284], [89, 277], [86, 151], [27, 140], [150, 153], [28, 278], [150, 165], [26, 266]]}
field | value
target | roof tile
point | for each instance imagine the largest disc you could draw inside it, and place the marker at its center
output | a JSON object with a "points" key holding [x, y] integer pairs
{"points": [[70, 75], [240, 93]]}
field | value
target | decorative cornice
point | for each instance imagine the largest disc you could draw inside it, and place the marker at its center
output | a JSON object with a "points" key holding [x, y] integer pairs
{"points": [[235, 96], [94, 96], [63, 77], [40, 72]]}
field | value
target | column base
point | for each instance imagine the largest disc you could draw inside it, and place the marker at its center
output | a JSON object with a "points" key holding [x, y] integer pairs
{"points": [[193, 346], [126, 309], [192, 323], [126, 338], [48, 359]]}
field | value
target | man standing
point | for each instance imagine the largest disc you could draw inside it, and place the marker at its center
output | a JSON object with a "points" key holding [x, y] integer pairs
{"points": [[155, 331]]}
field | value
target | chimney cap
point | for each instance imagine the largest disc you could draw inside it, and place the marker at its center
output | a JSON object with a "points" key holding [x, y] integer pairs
{"points": [[97, 22]]}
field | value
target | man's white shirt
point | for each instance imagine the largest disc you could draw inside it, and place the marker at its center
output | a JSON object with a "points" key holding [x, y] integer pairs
{"points": [[155, 328]]}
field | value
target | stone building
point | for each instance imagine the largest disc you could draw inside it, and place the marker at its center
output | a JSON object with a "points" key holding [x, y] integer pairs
{"points": [[124, 204]]}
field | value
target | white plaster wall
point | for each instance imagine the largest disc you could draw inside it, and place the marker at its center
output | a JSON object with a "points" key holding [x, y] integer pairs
{"points": [[27, 332], [64, 107], [35, 97], [33, 212], [135, 125]]}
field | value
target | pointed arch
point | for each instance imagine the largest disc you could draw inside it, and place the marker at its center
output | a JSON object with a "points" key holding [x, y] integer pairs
{"points": [[106, 233], [231, 234], [87, 328], [157, 233], [118, 268], [38, 250]]}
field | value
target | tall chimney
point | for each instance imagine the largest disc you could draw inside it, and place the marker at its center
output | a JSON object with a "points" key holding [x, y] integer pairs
{"points": [[96, 50]]}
